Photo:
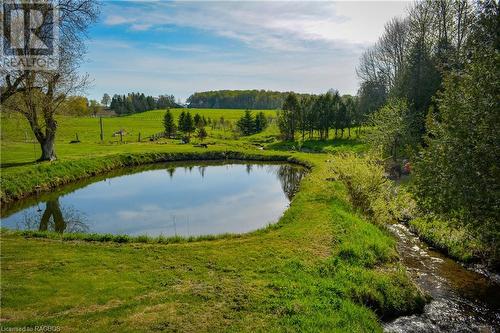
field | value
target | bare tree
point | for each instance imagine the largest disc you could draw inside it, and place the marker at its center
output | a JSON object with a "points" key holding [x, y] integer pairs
{"points": [[38, 94]]}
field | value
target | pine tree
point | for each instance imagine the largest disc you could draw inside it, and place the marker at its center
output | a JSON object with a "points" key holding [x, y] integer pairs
{"points": [[260, 122], [246, 124], [169, 124], [188, 126], [288, 117], [202, 133], [182, 120], [197, 121]]}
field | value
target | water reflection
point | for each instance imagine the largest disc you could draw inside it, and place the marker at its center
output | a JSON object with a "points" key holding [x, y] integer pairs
{"points": [[54, 218], [187, 200], [290, 179]]}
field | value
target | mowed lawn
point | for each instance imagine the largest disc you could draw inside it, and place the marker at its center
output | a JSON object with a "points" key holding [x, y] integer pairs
{"points": [[322, 267]]}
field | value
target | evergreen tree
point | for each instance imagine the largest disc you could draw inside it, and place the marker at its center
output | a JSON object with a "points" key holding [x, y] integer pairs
{"points": [[260, 122], [188, 124], [202, 133], [288, 117], [246, 124], [169, 124], [182, 120], [197, 121], [457, 174]]}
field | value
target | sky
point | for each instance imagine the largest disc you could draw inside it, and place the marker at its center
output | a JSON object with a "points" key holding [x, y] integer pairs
{"points": [[180, 47]]}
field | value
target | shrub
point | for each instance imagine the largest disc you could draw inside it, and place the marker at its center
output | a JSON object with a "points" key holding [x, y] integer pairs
{"points": [[367, 187]]}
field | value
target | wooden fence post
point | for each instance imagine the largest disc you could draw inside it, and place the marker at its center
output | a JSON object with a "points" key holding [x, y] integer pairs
{"points": [[100, 123]]}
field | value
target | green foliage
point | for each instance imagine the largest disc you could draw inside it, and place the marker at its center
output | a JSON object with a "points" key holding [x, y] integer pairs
{"points": [[138, 102], [391, 128], [260, 122], [169, 124], [288, 117], [458, 241], [237, 99], [105, 99], [457, 175], [319, 114], [246, 124], [372, 96], [418, 84], [94, 107], [186, 123], [202, 133], [198, 121], [366, 185], [75, 106]]}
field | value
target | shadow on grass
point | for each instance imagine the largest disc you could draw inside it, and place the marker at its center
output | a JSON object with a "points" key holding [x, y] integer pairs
{"points": [[320, 146], [16, 164]]}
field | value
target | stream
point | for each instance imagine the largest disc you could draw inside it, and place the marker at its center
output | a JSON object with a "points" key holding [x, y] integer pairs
{"points": [[463, 300]]}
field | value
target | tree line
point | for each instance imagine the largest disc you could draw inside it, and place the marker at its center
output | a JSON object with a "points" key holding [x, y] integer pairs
{"points": [[237, 99], [139, 102], [432, 84], [318, 115]]}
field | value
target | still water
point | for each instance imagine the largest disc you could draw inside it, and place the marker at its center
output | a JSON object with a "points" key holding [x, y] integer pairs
{"points": [[167, 199]]}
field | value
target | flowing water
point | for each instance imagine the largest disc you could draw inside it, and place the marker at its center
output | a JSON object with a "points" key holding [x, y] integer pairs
{"points": [[183, 199], [462, 300]]}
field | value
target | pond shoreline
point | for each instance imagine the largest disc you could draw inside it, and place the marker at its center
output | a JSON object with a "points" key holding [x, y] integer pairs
{"points": [[47, 176], [156, 185]]}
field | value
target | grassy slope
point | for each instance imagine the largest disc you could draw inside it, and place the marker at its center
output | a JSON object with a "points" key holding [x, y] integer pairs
{"points": [[14, 130], [321, 267]]}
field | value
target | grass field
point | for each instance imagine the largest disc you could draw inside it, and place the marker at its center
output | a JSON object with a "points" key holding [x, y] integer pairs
{"points": [[19, 146], [322, 267]]}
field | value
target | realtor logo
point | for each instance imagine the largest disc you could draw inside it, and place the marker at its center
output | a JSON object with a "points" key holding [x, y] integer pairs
{"points": [[30, 35]]}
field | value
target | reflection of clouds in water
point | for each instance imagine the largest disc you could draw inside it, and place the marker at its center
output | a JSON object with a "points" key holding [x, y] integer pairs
{"points": [[244, 212], [176, 200]]}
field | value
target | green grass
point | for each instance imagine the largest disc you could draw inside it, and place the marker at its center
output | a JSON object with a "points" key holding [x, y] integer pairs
{"points": [[322, 267], [454, 240], [16, 129]]}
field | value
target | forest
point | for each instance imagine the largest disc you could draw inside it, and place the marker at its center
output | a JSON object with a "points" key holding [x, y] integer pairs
{"points": [[237, 99], [139, 102]]}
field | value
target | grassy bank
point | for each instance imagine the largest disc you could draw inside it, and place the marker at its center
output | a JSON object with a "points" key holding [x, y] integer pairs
{"points": [[322, 267]]}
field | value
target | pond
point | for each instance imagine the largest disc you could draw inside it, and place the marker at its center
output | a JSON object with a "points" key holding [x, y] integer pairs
{"points": [[169, 199]]}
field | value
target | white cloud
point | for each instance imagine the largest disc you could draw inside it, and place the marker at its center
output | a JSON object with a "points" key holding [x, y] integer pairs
{"points": [[301, 46], [140, 27], [277, 25]]}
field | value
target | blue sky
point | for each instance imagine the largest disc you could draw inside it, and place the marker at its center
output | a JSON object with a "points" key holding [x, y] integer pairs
{"points": [[179, 47]]}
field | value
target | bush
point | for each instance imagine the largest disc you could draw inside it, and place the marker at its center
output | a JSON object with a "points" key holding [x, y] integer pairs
{"points": [[367, 187]]}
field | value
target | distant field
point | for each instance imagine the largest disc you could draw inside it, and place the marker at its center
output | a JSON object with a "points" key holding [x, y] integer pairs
{"points": [[19, 145], [16, 129]]}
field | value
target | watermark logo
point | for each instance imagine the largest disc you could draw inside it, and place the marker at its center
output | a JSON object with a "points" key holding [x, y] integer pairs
{"points": [[29, 35]]}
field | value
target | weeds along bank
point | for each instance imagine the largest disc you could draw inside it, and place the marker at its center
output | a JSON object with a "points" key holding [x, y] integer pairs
{"points": [[321, 267], [382, 201]]}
